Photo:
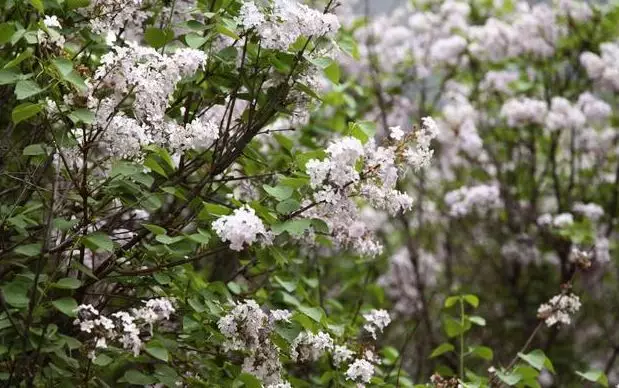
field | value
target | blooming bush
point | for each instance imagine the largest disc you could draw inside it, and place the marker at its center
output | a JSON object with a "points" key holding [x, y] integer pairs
{"points": [[268, 193]]}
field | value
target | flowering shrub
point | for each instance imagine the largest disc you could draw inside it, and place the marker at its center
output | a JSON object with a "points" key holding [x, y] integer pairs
{"points": [[230, 193]]}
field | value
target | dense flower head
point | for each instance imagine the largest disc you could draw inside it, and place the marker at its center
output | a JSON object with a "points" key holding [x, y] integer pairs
{"points": [[603, 68], [127, 327], [247, 328], [559, 309], [465, 200], [360, 370], [592, 211], [242, 227], [281, 22], [308, 346], [110, 16], [564, 115], [522, 111], [376, 321], [341, 354]]}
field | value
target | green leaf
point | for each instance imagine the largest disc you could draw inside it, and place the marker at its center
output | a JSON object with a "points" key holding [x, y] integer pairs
{"points": [[157, 38], [157, 351], [83, 269], [201, 237], [226, 31], [67, 306], [20, 58], [211, 210], [348, 44], [64, 66], [279, 192], [289, 285], [194, 40], [452, 300], [9, 76], [68, 283], [472, 300], [333, 72], [29, 250], [26, 88], [6, 32], [38, 5], [362, 130], [16, 294], [442, 349], [75, 4], [248, 380], [320, 226], [287, 206], [24, 111], [285, 142], [82, 116], [454, 328], [538, 360], [234, 288], [99, 241], [102, 360], [315, 313], [167, 240], [76, 80], [294, 227], [509, 378], [154, 229], [138, 378], [595, 376], [477, 320], [34, 149], [482, 352]]}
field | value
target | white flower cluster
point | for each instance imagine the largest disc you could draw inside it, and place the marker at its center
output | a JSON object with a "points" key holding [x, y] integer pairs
{"points": [[50, 36], [51, 21], [499, 81], [564, 115], [603, 68], [150, 75], [336, 180], [308, 346], [594, 109], [559, 221], [242, 227], [110, 16], [360, 371], [150, 78], [592, 211], [522, 111], [126, 327], [465, 200], [281, 22], [247, 328], [448, 50], [559, 309], [376, 321], [420, 155], [534, 30], [563, 220], [459, 118], [341, 354]]}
